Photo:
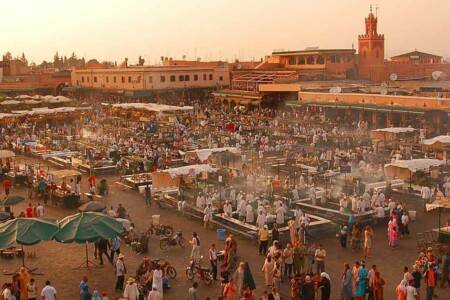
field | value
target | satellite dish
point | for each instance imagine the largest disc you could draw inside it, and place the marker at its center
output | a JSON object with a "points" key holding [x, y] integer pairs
{"points": [[384, 91], [393, 77], [436, 75], [335, 90], [384, 84]]}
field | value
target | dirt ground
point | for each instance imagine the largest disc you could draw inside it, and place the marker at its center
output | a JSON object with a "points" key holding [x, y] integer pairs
{"points": [[57, 260]]}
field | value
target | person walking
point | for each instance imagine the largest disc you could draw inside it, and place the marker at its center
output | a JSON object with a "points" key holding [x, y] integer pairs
{"points": [[319, 257], [154, 294], [207, 216], [401, 290], [347, 287], [411, 292], [268, 270], [102, 248], [361, 283], [32, 290], [121, 270], [193, 292], [377, 286], [229, 290], [368, 237], [325, 286], [276, 275], [212, 253], [48, 292], [148, 195], [405, 224], [6, 186], [157, 280], [84, 289], [288, 256], [195, 242], [430, 280], [263, 237], [131, 291], [417, 279]]}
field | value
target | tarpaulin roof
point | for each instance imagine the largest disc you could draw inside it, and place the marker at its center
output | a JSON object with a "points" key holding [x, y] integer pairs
{"points": [[443, 139], [416, 164], [189, 170], [153, 107], [395, 129]]}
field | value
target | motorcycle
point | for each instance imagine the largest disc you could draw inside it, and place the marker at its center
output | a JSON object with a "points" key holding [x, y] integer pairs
{"points": [[166, 267], [203, 273], [158, 230], [177, 239]]}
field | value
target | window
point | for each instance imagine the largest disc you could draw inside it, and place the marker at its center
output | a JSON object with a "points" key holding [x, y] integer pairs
{"points": [[139, 79], [210, 76], [114, 79], [377, 54], [320, 60], [163, 79], [195, 77], [95, 78], [292, 60], [78, 83], [333, 59], [150, 79], [107, 79], [181, 78], [302, 60], [220, 78], [349, 59], [123, 79], [310, 60], [87, 79], [129, 79], [82, 78], [173, 78], [364, 54], [187, 78], [204, 76]]}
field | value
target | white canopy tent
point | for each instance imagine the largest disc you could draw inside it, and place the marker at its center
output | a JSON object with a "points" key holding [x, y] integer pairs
{"points": [[204, 154], [395, 129], [404, 169], [153, 107], [441, 139]]}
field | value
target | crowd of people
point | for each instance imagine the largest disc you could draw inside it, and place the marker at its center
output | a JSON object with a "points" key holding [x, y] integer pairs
{"points": [[296, 261]]}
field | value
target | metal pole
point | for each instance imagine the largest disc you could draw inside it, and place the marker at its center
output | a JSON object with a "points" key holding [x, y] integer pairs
{"points": [[87, 258]]}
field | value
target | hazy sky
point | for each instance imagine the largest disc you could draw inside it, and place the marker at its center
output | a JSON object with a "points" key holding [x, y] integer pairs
{"points": [[214, 29]]}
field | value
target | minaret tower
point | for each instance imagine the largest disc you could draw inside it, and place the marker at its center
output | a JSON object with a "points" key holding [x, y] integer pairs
{"points": [[371, 50]]}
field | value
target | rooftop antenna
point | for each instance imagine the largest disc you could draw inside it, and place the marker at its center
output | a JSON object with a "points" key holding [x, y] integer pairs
{"points": [[376, 10], [370, 7]]}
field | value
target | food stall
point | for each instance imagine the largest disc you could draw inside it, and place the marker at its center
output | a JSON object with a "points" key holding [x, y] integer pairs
{"points": [[223, 157], [418, 172], [438, 144], [63, 192], [175, 177]]}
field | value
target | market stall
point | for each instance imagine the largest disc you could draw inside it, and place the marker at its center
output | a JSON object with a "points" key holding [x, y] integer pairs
{"points": [[64, 191], [439, 144], [173, 178]]}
